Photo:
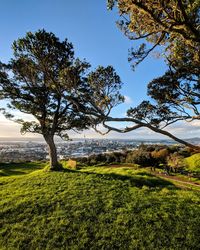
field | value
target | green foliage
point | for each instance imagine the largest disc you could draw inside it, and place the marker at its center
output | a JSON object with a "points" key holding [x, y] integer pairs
{"points": [[96, 208], [185, 152], [119, 157], [175, 161], [171, 27], [45, 80], [193, 163], [41, 78], [140, 157], [160, 156]]}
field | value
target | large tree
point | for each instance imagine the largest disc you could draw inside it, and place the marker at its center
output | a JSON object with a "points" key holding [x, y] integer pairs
{"points": [[45, 80], [173, 29], [169, 25]]}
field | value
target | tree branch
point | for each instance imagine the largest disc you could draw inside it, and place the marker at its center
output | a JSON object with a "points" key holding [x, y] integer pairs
{"points": [[149, 126]]}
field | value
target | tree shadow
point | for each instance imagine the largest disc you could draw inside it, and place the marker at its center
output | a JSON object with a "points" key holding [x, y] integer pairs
{"points": [[16, 169], [137, 180], [7, 172]]}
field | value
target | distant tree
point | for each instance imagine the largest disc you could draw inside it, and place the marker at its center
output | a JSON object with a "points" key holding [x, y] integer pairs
{"points": [[160, 156], [140, 157], [44, 79], [175, 161], [173, 28]]}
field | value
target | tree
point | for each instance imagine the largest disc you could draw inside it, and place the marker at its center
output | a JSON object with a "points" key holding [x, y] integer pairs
{"points": [[173, 28], [160, 156], [165, 24], [175, 161], [44, 79], [141, 156]]}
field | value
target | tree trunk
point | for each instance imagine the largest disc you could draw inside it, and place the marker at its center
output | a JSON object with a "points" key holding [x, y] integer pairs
{"points": [[54, 165]]}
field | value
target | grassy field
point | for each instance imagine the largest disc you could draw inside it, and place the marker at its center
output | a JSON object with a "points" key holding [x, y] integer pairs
{"points": [[95, 208]]}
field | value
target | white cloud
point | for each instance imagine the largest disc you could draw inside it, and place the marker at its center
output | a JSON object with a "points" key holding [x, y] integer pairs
{"points": [[185, 129], [127, 100], [11, 129], [179, 129], [195, 123]]}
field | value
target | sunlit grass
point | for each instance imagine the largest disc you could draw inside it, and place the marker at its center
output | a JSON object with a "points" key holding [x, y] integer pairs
{"points": [[96, 208], [193, 163]]}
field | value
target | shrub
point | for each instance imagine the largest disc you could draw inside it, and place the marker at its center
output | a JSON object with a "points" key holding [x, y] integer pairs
{"points": [[119, 157], [72, 164], [91, 160], [175, 161], [192, 163], [160, 156], [186, 152], [140, 157]]}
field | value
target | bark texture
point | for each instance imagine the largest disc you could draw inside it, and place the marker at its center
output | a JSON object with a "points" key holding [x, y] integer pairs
{"points": [[54, 165]]}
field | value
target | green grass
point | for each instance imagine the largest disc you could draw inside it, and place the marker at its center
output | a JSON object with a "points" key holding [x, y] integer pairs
{"points": [[194, 180], [95, 208], [8, 169], [193, 163]]}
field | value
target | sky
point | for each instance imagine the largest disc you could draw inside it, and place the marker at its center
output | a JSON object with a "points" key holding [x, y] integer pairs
{"points": [[92, 30]]}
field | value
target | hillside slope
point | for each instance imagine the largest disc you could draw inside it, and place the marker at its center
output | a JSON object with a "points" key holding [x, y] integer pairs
{"points": [[96, 208], [193, 163]]}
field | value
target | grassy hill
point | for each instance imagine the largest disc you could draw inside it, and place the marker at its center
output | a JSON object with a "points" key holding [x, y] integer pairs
{"points": [[193, 163], [94, 208]]}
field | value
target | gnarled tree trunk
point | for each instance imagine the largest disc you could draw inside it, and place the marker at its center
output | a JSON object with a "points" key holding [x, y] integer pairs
{"points": [[54, 165]]}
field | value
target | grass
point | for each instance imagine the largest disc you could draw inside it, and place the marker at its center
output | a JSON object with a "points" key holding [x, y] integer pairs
{"points": [[193, 163], [194, 180], [95, 208], [9, 169]]}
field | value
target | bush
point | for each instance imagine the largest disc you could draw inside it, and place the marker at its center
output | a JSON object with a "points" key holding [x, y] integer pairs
{"points": [[160, 156], [140, 157], [192, 163], [91, 160], [119, 157], [186, 152], [175, 161]]}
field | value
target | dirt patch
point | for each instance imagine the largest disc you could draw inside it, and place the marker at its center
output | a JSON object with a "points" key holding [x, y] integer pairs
{"points": [[178, 179]]}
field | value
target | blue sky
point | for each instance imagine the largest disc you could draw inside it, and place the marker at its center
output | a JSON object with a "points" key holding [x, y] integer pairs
{"points": [[93, 31]]}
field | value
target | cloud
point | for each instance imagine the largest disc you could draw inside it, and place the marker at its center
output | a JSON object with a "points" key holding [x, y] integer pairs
{"points": [[179, 129], [185, 129], [195, 123], [11, 129], [127, 100]]}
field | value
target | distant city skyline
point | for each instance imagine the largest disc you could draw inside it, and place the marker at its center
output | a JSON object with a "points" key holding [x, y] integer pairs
{"points": [[92, 30]]}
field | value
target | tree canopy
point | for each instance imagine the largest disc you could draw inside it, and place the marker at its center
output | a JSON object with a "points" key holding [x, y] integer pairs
{"points": [[170, 25], [173, 29], [45, 79]]}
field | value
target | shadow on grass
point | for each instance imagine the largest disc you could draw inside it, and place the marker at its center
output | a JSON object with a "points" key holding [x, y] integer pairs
{"points": [[136, 180], [140, 180], [12, 169]]}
